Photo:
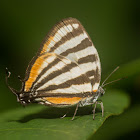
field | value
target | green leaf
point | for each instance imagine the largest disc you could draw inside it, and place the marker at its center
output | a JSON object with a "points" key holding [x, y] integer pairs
{"points": [[40, 122], [125, 123]]}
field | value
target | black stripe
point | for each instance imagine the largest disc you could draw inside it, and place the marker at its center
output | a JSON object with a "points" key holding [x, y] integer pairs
{"points": [[97, 76], [92, 81], [75, 81], [90, 73], [41, 94], [88, 58], [84, 44], [68, 95]]}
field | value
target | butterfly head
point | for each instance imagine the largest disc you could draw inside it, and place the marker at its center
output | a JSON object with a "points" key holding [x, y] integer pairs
{"points": [[22, 98], [100, 91]]}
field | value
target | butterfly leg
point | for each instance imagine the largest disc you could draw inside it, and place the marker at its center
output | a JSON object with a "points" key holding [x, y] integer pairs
{"points": [[65, 114], [102, 107], [94, 110], [75, 111]]}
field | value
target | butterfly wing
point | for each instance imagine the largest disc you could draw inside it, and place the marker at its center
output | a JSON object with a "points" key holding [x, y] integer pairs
{"points": [[58, 79], [68, 38]]}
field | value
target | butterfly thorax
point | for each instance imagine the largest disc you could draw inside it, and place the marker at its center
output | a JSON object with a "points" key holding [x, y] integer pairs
{"points": [[92, 99]]}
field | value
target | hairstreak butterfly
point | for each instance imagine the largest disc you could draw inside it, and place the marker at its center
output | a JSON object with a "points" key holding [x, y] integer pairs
{"points": [[66, 70]]}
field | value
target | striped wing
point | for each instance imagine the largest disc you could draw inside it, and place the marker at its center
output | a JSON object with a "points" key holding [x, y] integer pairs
{"points": [[56, 77], [68, 38]]}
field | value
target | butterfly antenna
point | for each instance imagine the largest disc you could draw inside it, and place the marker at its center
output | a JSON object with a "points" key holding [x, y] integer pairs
{"points": [[114, 81], [109, 75], [22, 81], [8, 73]]}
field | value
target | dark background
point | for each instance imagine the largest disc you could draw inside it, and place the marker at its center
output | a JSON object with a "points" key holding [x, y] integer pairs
{"points": [[113, 26]]}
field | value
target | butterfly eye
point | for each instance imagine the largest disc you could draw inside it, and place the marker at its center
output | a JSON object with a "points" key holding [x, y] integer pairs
{"points": [[102, 93]]}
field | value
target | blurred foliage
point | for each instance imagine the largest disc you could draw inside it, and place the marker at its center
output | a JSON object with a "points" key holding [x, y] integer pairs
{"points": [[112, 25]]}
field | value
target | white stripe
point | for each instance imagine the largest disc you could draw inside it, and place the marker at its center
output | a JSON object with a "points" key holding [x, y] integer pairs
{"points": [[91, 77], [71, 43], [63, 31], [75, 25], [85, 52], [51, 44], [85, 67], [61, 34], [50, 59], [82, 53], [70, 27], [67, 29], [74, 89], [44, 64], [57, 37], [98, 63], [95, 86], [46, 102]]}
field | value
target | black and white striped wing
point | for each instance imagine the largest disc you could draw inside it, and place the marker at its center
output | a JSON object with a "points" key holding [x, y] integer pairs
{"points": [[58, 79], [68, 38]]}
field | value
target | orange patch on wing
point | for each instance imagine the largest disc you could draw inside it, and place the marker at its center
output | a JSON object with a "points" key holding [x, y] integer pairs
{"points": [[63, 100], [95, 90], [34, 72], [46, 44]]}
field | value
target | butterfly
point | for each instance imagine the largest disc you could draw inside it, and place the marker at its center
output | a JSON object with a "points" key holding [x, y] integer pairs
{"points": [[66, 70]]}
